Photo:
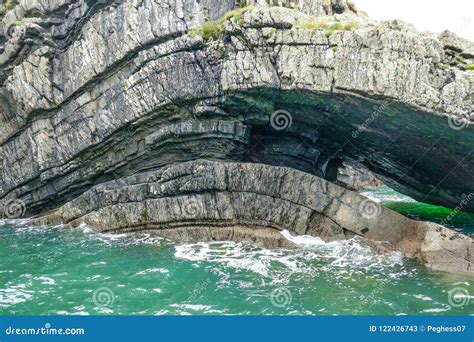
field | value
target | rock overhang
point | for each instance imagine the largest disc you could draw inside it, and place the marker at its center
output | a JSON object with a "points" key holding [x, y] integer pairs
{"points": [[291, 59], [414, 152]]}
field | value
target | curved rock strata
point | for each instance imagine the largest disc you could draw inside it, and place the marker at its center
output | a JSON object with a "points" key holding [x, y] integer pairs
{"points": [[225, 201], [97, 93]]}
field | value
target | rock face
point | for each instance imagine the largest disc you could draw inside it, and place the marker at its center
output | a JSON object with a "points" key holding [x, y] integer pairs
{"points": [[96, 92], [351, 175]]}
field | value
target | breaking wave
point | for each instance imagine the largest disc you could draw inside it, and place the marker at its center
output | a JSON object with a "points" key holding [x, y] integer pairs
{"points": [[312, 256]]}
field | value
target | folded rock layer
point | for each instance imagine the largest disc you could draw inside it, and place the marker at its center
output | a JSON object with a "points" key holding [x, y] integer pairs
{"points": [[95, 92], [254, 202]]}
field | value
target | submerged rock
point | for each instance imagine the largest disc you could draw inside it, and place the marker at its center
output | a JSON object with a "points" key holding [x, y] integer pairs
{"points": [[100, 94]]}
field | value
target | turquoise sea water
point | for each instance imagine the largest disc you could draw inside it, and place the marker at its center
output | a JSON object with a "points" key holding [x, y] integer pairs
{"points": [[52, 270]]}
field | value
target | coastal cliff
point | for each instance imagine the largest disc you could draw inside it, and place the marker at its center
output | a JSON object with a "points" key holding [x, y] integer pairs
{"points": [[182, 116]]}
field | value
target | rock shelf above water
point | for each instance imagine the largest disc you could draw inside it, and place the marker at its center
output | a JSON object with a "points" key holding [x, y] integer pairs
{"points": [[206, 200]]}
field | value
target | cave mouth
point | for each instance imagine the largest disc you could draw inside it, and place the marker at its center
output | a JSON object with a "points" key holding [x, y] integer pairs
{"points": [[414, 152]]}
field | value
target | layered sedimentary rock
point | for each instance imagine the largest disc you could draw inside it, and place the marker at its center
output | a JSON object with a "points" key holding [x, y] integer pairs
{"points": [[98, 91], [225, 201]]}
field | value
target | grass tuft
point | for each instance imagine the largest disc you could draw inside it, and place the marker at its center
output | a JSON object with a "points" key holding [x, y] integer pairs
{"points": [[10, 4], [469, 67], [271, 32], [328, 28], [6, 6], [21, 22], [214, 28]]}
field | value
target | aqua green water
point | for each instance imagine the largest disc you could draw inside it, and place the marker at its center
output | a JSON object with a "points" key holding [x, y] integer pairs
{"points": [[461, 221], [49, 270]]}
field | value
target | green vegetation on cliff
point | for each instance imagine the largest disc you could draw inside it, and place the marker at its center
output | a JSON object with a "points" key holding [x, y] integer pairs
{"points": [[8, 6], [213, 28], [328, 28]]}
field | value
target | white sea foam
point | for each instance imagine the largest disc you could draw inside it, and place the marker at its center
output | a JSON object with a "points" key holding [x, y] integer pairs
{"points": [[161, 312], [311, 257], [14, 222], [153, 270], [46, 280], [435, 310], [14, 295], [127, 239], [194, 307], [385, 194], [85, 228], [345, 252], [303, 240], [67, 313], [423, 297]]}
